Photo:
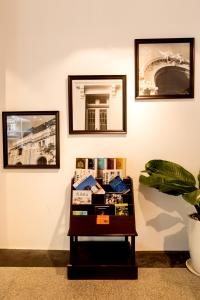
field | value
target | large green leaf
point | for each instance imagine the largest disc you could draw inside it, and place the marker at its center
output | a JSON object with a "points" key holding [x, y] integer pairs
{"points": [[199, 178], [193, 197], [168, 177], [169, 169], [166, 185]]}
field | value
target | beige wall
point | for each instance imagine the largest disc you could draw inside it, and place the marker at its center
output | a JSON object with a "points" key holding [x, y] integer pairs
{"points": [[46, 40]]}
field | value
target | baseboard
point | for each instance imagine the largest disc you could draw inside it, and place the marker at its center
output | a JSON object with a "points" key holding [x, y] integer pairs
{"points": [[33, 258], [162, 259], [60, 258]]}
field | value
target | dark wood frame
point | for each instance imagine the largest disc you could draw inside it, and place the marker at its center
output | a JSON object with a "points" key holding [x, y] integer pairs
{"points": [[102, 259], [5, 139], [190, 42], [96, 77]]}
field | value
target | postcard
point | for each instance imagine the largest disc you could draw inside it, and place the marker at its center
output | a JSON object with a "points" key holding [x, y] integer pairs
{"points": [[108, 175], [89, 183], [81, 197], [80, 163], [80, 173], [102, 210], [121, 164], [111, 198], [110, 163], [79, 213], [121, 209], [118, 185], [101, 163], [91, 163]]}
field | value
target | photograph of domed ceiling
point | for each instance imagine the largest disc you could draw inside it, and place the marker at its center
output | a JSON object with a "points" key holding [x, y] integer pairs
{"points": [[164, 68]]}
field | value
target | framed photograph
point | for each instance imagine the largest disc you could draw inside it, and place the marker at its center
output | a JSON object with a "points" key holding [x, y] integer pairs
{"points": [[31, 139], [97, 104], [164, 68]]}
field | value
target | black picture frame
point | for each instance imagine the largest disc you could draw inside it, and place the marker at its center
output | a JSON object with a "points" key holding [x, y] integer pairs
{"points": [[164, 68], [31, 139], [97, 104]]}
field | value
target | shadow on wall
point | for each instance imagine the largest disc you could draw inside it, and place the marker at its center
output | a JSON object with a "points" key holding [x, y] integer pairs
{"points": [[59, 236], [165, 220]]}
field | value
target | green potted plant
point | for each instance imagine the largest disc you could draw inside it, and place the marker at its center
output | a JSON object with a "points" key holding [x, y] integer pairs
{"points": [[171, 178]]}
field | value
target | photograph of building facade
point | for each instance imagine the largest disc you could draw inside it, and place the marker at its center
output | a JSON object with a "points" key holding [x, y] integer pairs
{"points": [[164, 69], [97, 105], [31, 140]]}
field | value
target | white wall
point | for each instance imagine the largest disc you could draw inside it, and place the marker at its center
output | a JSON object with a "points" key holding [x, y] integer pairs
{"points": [[44, 41]]}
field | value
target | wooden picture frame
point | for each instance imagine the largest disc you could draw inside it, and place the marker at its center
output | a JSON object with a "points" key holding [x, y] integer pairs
{"points": [[164, 68], [31, 139], [97, 104]]}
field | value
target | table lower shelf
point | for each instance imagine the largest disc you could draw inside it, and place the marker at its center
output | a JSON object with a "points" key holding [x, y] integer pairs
{"points": [[102, 272], [102, 260]]}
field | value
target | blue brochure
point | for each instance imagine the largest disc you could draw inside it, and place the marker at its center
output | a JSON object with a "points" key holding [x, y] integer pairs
{"points": [[118, 185], [89, 183]]}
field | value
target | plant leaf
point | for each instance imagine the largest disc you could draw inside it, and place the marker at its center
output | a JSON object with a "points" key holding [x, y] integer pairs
{"points": [[166, 185], [193, 197], [168, 177], [170, 169], [199, 178]]}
